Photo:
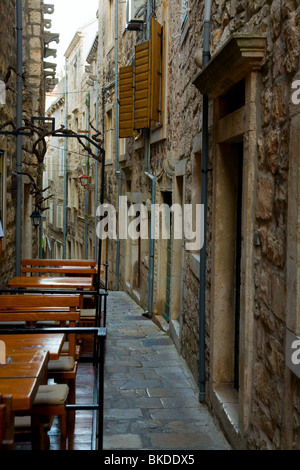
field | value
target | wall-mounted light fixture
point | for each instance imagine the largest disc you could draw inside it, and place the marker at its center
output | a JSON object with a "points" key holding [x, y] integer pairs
{"points": [[36, 218], [85, 182]]}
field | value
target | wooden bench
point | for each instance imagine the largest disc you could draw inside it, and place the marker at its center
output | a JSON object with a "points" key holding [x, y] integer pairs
{"points": [[82, 268], [33, 309]]}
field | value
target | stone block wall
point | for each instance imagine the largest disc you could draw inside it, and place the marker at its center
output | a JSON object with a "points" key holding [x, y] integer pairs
{"points": [[33, 105], [8, 58], [274, 395]]}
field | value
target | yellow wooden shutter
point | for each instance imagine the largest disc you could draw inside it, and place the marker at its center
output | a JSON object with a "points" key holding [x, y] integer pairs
{"points": [[142, 86], [156, 71], [126, 101]]}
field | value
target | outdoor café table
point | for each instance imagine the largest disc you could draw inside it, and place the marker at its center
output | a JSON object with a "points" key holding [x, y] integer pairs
{"points": [[21, 376], [22, 343], [46, 282]]}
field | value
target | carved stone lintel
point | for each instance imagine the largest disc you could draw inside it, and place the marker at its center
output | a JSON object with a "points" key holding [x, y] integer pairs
{"points": [[240, 54]]}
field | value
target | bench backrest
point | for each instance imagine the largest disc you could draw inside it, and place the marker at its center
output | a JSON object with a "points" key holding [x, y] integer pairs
{"points": [[58, 262], [47, 266], [17, 302], [26, 308]]}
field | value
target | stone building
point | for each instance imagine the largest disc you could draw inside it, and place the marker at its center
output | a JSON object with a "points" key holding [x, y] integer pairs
{"points": [[70, 223], [153, 83], [34, 82]]}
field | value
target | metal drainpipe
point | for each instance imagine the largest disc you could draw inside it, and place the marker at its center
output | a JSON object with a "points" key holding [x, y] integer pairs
{"points": [[19, 28], [65, 166], [104, 88], [86, 192], [152, 230], [206, 58], [96, 163], [118, 172], [153, 201]]}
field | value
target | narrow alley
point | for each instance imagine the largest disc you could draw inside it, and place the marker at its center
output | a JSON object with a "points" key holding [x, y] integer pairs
{"points": [[150, 396], [149, 152]]}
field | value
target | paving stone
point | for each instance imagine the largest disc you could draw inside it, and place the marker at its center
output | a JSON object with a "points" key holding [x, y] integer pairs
{"points": [[141, 384], [122, 441], [120, 413], [185, 394], [171, 414], [195, 441], [146, 425]]}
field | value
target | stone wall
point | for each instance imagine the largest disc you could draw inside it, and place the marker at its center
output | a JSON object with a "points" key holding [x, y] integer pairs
{"points": [[8, 58], [273, 393], [33, 105]]}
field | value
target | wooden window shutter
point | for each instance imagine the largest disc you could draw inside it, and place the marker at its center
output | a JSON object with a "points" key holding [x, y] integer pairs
{"points": [[156, 72], [126, 101], [142, 86]]}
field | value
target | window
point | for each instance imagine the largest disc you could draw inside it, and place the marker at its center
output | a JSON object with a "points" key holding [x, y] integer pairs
{"points": [[141, 105], [50, 167], [61, 161], [126, 101], [58, 250], [59, 221], [122, 146], [109, 135], [75, 72], [196, 193], [51, 212], [110, 24]]}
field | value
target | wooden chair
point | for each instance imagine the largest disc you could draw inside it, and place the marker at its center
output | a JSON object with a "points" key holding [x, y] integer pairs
{"points": [[6, 423], [49, 402]]}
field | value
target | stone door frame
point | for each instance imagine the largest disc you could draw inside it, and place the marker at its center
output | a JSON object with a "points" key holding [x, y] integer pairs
{"points": [[240, 58]]}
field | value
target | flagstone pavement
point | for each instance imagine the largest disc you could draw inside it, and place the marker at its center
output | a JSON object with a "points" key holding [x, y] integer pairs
{"points": [[151, 399]]}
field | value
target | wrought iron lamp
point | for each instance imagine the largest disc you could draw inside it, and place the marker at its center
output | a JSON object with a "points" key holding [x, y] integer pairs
{"points": [[36, 218], [84, 180]]}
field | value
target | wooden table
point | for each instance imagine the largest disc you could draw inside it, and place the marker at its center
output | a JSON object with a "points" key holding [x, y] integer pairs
{"points": [[21, 377], [30, 365], [22, 343], [23, 391], [27, 356]]}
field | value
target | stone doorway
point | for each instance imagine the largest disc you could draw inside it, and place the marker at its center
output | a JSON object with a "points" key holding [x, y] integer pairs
{"points": [[168, 245], [232, 82]]}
